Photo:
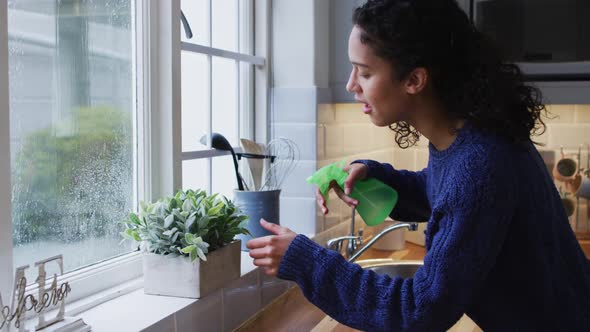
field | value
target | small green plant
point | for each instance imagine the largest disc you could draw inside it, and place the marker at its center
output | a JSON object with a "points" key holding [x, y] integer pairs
{"points": [[190, 223]]}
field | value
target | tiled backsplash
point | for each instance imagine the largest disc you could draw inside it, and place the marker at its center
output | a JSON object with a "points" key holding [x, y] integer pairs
{"points": [[227, 308], [345, 133]]}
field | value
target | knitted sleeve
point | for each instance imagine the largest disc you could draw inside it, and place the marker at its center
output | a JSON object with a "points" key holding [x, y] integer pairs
{"points": [[412, 202], [465, 239]]}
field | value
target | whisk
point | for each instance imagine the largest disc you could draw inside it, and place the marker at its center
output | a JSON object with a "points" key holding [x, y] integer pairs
{"points": [[286, 154]]}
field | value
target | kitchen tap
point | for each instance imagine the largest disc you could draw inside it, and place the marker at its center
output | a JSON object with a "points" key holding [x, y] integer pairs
{"points": [[354, 241], [411, 226]]}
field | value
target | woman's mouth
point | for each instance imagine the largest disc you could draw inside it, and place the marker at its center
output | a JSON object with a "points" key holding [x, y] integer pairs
{"points": [[367, 108]]}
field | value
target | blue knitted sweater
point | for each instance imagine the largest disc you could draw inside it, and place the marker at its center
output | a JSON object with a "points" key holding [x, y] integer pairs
{"points": [[499, 248]]}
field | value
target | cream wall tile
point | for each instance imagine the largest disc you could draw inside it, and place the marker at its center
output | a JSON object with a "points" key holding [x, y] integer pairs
{"points": [[333, 139], [560, 113], [582, 114], [347, 106], [363, 155], [334, 152], [355, 139], [331, 221], [390, 159], [325, 113], [570, 151], [339, 208], [375, 155], [544, 137], [332, 197], [320, 222], [321, 134], [404, 159], [568, 135], [350, 113], [382, 155], [325, 162], [421, 158], [382, 137], [333, 217]]}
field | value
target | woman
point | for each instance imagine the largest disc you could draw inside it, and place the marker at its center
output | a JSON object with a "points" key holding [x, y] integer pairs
{"points": [[499, 245]]}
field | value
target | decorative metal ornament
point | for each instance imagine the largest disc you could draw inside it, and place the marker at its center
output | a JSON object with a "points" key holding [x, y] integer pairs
{"points": [[47, 297]]}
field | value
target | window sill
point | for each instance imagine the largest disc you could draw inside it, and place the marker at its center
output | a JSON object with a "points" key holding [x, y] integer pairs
{"points": [[127, 308]]}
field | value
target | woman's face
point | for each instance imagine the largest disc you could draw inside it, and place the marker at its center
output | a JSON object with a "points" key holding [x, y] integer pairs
{"points": [[373, 84]]}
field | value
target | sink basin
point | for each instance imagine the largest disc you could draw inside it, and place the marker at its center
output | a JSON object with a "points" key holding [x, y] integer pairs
{"points": [[391, 267]]}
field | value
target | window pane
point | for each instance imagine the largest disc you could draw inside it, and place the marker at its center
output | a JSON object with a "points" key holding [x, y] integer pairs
{"points": [[194, 174], [195, 99], [224, 24], [72, 136], [224, 176], [225, 119], [196, 13]]}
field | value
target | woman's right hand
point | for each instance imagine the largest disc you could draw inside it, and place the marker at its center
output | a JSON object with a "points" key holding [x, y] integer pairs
{"points": [[356, 172]]}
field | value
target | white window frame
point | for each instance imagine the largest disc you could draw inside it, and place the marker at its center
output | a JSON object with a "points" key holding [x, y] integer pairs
{"points": [[158, 120], [5, 187], [246, 103]]}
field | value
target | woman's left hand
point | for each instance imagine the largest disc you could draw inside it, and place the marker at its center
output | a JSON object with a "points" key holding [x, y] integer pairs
{"points": [[268, 251]]}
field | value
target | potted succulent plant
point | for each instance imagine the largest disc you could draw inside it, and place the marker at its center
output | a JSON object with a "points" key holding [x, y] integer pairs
{"points": [[188, 243]]}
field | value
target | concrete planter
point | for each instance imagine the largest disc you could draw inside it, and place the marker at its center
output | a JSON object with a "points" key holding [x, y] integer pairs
{"points": [[178, 276]]}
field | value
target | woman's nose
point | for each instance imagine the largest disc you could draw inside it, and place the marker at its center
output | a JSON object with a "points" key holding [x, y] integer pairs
{"points": [[351, 85]]}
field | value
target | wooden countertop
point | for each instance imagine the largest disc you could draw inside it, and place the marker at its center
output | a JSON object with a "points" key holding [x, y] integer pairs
{"points": [[292, 312]]}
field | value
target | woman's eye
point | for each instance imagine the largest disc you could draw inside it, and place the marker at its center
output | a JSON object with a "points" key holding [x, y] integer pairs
{"points": [[365, 75]]}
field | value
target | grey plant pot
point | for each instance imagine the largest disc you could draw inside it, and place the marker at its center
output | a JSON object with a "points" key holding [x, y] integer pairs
{"points": [[257, 205]]}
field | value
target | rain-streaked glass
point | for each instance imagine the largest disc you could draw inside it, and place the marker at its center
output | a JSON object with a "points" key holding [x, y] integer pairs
{"points": [[72, 133]]}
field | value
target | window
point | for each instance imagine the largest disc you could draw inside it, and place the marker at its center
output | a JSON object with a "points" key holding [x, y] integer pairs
{"points": [[217, 88], [94, 101], [72, 135]]}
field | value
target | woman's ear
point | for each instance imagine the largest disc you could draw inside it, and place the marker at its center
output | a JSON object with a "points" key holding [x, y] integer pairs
{"points": [[416, 81]]}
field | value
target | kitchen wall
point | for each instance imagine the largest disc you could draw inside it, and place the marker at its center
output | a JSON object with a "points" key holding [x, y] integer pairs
{"points": [[345, 133]]}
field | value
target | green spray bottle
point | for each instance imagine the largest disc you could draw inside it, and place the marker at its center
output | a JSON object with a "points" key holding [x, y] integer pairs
{"points": [[376, 199]]}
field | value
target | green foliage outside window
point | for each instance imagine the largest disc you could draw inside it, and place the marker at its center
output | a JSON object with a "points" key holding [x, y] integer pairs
{"points": [[73, 179]]}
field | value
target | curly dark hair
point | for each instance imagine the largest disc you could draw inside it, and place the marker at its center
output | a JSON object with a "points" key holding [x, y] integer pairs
{"points": [[467, 72]]}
